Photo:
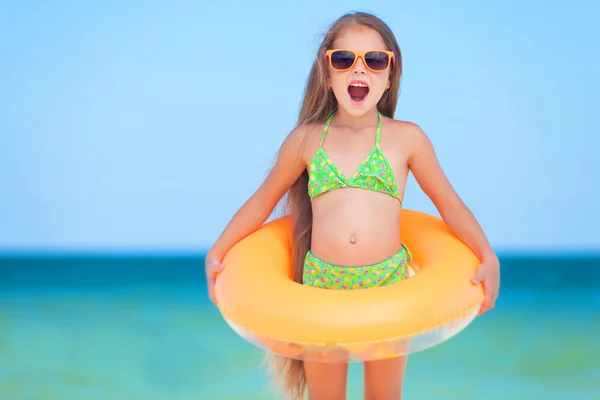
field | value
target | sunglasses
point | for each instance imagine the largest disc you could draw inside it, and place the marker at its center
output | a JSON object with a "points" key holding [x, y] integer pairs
{"points": [[375, 60]]}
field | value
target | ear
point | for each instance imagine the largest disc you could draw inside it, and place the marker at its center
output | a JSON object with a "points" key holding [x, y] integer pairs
{"points": [[389, 85]]}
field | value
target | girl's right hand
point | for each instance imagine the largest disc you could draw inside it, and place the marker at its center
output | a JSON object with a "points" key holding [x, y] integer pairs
{"points": [[213, 267]]}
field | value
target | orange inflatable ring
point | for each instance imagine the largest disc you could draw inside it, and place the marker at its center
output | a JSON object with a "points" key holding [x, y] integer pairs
{"points": [[260, 301]]}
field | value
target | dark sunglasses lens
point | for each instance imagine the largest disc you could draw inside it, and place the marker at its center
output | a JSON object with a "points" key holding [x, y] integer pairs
{"points": [[342, 59], [377, 60]]}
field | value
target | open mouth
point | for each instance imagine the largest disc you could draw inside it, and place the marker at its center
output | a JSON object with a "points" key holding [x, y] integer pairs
{"points": [[358, 91]]}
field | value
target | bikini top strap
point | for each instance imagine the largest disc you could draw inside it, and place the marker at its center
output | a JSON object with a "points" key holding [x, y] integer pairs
{"points": [[326, 127], [378, 134]]}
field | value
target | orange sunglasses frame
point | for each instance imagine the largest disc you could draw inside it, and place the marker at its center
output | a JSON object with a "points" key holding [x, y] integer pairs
{"points": [[361, 54]]}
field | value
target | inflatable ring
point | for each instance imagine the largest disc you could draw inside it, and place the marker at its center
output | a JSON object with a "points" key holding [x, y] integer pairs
{"points": [[260, 301]]}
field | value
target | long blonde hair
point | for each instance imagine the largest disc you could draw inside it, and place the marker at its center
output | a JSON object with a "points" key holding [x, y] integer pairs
{"points": [[317, 104]]}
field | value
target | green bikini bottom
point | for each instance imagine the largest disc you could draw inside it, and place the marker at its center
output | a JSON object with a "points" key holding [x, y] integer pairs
{"points": [[318, 273]]}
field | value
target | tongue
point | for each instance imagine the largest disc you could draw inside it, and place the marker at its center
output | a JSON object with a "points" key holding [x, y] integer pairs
{"points": [[357, 93]]}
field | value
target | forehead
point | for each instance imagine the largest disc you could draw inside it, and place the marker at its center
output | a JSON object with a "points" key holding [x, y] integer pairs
{"points": [[359, 38]]}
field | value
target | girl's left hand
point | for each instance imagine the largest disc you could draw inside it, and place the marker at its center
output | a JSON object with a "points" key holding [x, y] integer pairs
{"points": [[488, 273]]}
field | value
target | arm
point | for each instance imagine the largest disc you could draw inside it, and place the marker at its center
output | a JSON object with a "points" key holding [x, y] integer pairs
{"points": [[460, 220], [255, 211]]}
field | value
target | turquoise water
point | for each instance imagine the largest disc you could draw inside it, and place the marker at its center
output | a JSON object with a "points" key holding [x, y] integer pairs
{"points": [[132, 328]]}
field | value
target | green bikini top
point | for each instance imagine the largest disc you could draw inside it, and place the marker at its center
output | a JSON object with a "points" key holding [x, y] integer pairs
{"points": [[375, 172]]}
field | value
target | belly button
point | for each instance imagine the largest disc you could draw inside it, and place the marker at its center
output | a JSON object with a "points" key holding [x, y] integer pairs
{"points": [[352, 239]]}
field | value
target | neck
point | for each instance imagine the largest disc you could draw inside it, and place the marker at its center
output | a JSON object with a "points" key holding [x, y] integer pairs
{"points": [[344, 119]]}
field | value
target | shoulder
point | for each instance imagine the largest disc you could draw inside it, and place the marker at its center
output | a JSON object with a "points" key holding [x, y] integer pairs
{"points": [[303, 140], [405, 128], [407, 133], [412, 139], [307, 131]]}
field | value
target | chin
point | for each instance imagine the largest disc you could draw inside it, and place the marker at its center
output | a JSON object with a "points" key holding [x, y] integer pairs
{"points": [[357, 109]]}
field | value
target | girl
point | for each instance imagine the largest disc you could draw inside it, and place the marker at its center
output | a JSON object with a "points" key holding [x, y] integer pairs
{"points": [[344, 169]]}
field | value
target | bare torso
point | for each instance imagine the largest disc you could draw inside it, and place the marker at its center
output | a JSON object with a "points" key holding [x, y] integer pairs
{"points": [[352, 226]]}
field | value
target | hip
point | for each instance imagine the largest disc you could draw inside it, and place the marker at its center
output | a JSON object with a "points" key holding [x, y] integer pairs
{"points": [[320, 273]]}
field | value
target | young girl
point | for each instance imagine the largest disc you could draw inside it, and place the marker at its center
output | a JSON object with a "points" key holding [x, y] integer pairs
{"points": [[344, 169]]}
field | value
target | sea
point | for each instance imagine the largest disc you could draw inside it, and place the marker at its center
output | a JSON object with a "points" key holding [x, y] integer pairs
{"points": [[140, 327]]}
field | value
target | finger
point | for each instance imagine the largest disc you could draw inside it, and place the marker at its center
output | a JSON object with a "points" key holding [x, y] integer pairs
{"points": [[493, 299], [484, 308], [478, 276], [212, 295], [212, 280], [488, 304], [211, 265], [216, 267], [211, 277]]}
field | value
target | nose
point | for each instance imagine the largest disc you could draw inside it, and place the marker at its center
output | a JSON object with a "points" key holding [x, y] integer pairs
{"points": [[359, 67]]}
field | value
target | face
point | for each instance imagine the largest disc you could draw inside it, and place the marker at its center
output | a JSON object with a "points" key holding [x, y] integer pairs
{"points": [[358, 89]]}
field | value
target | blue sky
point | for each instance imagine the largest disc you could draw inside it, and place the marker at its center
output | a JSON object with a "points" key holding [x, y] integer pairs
{"points": [[145, 125]]}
